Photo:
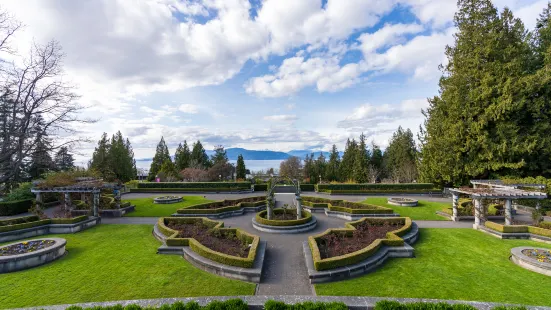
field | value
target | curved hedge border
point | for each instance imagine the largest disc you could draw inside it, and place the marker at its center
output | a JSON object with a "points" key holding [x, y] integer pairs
{"points": [[38, 222], [374, 191], [344, 206], [512, 229], [195, 185], [8, 208], [205, 208], [375, 186], [197, 247], [261, 218], [392, 239]]}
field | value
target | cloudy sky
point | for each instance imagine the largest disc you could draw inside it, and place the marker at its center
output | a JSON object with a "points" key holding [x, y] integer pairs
{"points": [[259, 74]]}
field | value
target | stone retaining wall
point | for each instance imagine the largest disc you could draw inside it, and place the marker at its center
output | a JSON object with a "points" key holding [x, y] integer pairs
{"points": [[48, 229], [33, 259]]}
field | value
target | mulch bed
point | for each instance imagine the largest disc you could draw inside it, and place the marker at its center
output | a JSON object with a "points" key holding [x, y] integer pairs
{"points": [[332, 245], [285, 217], [26, 247], [213, 239]]}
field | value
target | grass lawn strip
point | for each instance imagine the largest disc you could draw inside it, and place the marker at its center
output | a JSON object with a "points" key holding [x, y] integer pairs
{"points": [[458, 264], [113, 262], [145, 207], [425, 210]]}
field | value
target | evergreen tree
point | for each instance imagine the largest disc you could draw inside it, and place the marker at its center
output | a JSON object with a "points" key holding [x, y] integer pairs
{"points": [[333, 166], [361, 162], [41, 161], [168, 169], [348, 158], [400, 156], [161, 155], [199, 158], [219, 156], [487, 120], [182, 157], [131, 160], [376, 168], [64, 161], [320, 167], [308, 171], [241, 171], [121, 158], [100, 158]]}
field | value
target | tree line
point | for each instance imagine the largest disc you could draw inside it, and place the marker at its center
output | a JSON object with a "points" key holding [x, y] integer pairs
{"points": [[492, 116], [194, 164], [360, 162], [113, 159]]}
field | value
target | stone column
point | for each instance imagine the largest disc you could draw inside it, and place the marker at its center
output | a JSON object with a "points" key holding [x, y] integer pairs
{"points": [[95, 204], [117, 194], [38, 198], [455, 203], [478, 216], [269, 207], [67, 201], [508, 212], [299, 207]]}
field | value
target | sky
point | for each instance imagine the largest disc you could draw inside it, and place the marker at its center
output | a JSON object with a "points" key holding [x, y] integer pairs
{"points": [[258, 74]]}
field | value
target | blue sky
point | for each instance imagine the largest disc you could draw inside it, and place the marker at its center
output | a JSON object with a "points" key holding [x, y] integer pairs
{"points": [[259, 74]]}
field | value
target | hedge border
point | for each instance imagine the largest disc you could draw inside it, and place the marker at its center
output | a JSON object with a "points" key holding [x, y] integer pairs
{"points": [[19, 220], [307, 217], [376, 186], [8, 208], [197, 247], [26, 225], [194, 185], [397, 191], [239, 204], [340, 206], [392, 239], [184, 190], [512, 229]]}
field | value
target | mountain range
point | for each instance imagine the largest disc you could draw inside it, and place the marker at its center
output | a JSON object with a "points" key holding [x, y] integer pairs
{"points": [[262, 155]]}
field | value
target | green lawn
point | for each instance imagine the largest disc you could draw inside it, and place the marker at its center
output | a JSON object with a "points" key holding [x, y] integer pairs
{"points": [[146, 207], [462, 264], [426, 210], [112, 262]]}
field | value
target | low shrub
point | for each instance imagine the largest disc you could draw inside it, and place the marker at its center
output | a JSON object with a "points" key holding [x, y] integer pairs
{"points": [[196, 185], [24, 225], [19, 220], [260, 187], [394, 305], [539, 231], [23, 192], [307, 187], [545, 225], [345, 206], [73, 220], [230, 304], [381, 191], [261, 218], [8, 208], [182, 190], [308, 305], [132, 184]]}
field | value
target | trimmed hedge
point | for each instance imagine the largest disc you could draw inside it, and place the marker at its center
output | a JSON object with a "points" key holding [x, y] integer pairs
{"points": [[261, 218], [182, 190], [38, 222], [307, 187], [546, 225], [359, 192], [394, 305], [518, 229], [307, 305], [8, 208], [260, 187], [197, 247], [196, 185], [376, 186], [24, 225], [344, 206], [73, 220], [392, 239], [19, 220], [206, 208]]}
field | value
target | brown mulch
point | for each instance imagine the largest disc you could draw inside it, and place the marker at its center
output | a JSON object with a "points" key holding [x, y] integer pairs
{"points": [[212, 239], [332, 245]]}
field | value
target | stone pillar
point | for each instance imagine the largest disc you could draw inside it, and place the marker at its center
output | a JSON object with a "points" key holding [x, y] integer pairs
{"points": [[508, 212], [478, 214], [95, 204], [117, 194], [455, 203], [67, 201], [269, 207], [299, 207]]}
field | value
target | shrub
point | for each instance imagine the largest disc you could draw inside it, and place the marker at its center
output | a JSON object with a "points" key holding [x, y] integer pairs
{"points": [[23, 192], [307, 187], [394, 305], [132, 184], [24, 225], [308, 305], [376, 186], [196, 185], [545, 225], [260, 187], [19, 220], [69, 220], [181, 190], [8, 208]]}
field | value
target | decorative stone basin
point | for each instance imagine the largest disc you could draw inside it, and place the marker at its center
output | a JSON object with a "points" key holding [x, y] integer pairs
{"points": [[404, 202], [534, 259], [167, 199], [27, 254]]}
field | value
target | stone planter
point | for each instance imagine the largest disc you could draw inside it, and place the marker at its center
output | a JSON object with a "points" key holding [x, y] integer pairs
{"points": [[530, 263], [11, 263], [403, 202], [167, 199]]}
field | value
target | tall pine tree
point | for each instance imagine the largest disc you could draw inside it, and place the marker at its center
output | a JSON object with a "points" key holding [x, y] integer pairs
{"points": [[348, 159], [241, 170], [161, 155], [64, 160], [100, 158], [182, 157], [333, 165], [361, 162], [199, 158]]}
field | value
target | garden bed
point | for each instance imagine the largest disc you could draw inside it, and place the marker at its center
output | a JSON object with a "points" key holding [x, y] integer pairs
{"points": [[345, 209], [534, 259], [224, 208], [32, 253], [403, 202], [284, 222]]}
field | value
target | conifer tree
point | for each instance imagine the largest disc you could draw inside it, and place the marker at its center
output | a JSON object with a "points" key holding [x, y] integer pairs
{"points": [[241, 170], [64, 161], [219, 156], [199, 158], [320, 165], [400, 156], [100, 158], [361, 162], [348, 158], [161, 155], [182, 157], [333, 165], [41, 161]]}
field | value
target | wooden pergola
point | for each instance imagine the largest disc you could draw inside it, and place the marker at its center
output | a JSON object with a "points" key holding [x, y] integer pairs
{"points": [[494, 189], [83, 186]]}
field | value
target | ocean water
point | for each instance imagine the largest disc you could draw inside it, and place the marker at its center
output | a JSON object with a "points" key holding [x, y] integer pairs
{"points": [[253, 165]]}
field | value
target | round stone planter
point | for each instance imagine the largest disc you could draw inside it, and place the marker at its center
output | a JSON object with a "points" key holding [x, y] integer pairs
{"points": [[520, 257], [167, 199], [278, 227], [403, 202], [11, 263]]}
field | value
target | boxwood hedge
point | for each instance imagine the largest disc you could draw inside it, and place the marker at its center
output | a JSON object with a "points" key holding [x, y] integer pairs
{"points": [[518, 229], [181, 190], [222, 205], [8, 208], [196, 185], [376, 186], [394, 305], [392, 239], [261, 218], [344, 206], [197, 247], [34, 221], [19, 220]]}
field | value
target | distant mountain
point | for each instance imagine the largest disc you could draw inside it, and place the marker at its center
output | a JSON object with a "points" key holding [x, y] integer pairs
{"points": [[255, 155]]}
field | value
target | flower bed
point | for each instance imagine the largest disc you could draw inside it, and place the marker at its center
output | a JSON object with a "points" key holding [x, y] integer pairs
{"points": [[223, 205], [541, 255], [534, 259], [359, 240], [283, 218], [404, 202], [167, 199], [25, 247], [207, 238]]}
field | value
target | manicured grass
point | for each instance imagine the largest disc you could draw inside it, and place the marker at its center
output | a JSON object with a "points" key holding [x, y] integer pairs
{"points": [[112, 262], [146, 207], [426, 210], [461, 264]]}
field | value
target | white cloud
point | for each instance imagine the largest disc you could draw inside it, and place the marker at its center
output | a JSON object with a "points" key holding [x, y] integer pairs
{"points": [[189, 108], [281, 118], [386, 36]]}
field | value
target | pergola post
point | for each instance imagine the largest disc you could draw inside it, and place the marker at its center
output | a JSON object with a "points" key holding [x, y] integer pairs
{"points": [[478, 213], [269, 208], [508, 212], [95, 203], [38, 199], [67, 201], [455, 202], [299, 207], [118, 198]]}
